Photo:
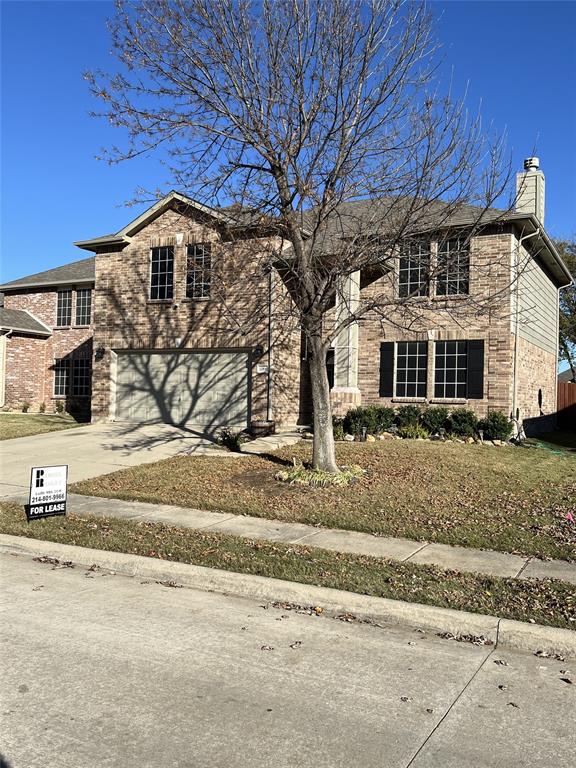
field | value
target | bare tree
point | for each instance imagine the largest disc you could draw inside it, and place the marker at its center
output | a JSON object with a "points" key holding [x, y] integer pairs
{"points": [[325, 118]]}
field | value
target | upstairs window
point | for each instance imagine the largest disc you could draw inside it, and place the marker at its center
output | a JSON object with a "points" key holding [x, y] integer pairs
{"points": [[83, 306], [64, 308], [411, 368], [162, 273], [413, 277], [453, 267], [198, 271]]}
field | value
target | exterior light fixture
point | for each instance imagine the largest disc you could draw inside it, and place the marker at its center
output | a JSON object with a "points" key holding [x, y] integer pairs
{"points": [[99, 353]]}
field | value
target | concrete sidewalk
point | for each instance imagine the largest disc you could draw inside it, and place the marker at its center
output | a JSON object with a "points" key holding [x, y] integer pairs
{"points": [[463, 559]]}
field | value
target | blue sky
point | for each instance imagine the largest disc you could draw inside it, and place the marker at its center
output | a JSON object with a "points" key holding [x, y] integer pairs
{"points": [[518, 58]]}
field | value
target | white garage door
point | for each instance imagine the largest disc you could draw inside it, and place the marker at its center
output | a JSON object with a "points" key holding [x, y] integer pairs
{"points": [[209, 389]]}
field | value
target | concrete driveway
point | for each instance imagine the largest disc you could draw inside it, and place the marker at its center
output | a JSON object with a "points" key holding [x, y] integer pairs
{"points": [[95, 449]]}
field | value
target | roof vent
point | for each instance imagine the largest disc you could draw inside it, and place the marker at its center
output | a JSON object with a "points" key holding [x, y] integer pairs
{"points": [[531, 163]]}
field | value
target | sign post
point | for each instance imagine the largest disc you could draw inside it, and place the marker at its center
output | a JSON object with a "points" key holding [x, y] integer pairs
{"points": [[47, 492]]}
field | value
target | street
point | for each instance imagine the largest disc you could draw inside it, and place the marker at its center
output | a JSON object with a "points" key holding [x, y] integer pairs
{"points": [[106, 670]]}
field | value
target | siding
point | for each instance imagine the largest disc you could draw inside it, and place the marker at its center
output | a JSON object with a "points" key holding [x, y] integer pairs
{"points": [[537, 305]]}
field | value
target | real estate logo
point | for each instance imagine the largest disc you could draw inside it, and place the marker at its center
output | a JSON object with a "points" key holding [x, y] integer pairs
{"points": [[47, 492]]}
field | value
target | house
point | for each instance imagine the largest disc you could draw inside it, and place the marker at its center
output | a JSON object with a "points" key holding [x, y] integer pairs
{"points": [[176, 318]]}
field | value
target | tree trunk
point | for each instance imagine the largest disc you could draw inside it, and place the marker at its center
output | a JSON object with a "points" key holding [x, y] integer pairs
{"points": [[324, 454]]}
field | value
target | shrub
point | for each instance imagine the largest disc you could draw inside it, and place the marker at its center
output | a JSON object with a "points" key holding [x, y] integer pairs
{"points": [[412, 431], [232, 440], [42, 408], [374, 418], [434, 419], [25, 407], [463, 422], [408, 415], [496, 426], [338, 428], [59, 406]]}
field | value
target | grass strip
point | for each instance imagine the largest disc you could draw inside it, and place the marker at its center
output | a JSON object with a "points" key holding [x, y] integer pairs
{"points": [[24, 424], [548, 601]]}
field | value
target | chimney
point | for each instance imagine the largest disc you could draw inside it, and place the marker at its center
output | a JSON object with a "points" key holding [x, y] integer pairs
{"points": [[530, 189]]}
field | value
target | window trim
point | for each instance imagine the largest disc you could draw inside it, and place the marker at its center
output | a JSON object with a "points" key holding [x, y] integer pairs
{"points": [[418, 384], [456, 384], [88, 304], [162, 299], [439, 272], [59, 292], [425, 290], [207, 271]]}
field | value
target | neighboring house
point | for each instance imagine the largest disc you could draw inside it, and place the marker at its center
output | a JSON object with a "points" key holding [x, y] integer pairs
{"points": [[186, 323], [46, 339], [566, 377]]}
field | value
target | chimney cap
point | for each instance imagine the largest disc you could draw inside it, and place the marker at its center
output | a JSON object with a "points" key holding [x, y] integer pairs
{"points": [[531, 163]]}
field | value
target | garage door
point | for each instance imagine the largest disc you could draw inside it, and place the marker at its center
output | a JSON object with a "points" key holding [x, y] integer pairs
{"points": [[209, 389]]}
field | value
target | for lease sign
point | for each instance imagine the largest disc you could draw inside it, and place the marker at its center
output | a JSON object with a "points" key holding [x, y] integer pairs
{"points": [[47, 492]]}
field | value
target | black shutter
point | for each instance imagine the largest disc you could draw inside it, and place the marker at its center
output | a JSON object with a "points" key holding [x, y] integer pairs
{"points": [[475, 372], [386, 369]]}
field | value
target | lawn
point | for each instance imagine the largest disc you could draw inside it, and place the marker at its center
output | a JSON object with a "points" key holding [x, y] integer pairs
{"points": [[508, 499], [25, 424], [545, 602]]}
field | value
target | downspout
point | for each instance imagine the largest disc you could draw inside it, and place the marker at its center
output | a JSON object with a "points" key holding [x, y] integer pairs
{"points": [[270, 356], [515, 414]]}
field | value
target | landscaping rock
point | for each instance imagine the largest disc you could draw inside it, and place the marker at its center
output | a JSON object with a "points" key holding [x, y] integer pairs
{"points": [[497, 442], [370, 439], [349, 438], [470, 440], [386, 436]]}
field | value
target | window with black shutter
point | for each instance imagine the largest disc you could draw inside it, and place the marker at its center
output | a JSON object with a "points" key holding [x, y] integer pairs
{"points": [[386, 369], [475, 364], [411, 368], [330, 367], [459, 369]]}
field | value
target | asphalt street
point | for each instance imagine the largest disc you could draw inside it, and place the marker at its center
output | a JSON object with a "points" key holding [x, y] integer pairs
{"points": [[107, 670]]}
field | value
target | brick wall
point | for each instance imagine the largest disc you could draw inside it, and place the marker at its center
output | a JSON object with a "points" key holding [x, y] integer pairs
{"points": [[536, 374], [235, 317], [30, 359]]}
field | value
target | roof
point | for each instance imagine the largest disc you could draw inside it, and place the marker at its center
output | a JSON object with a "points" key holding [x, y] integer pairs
{"points": [[356, 218], [565, 376], [23, 321], [69, 274]]}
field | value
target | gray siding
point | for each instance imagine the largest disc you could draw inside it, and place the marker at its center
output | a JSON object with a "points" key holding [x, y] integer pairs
{"points": [[537, 305]]}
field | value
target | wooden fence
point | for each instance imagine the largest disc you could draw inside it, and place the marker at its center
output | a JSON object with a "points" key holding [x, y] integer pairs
{"points": [[566, 414]]}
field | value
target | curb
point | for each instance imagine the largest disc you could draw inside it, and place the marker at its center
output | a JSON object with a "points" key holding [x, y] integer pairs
{"points": [[501, 632]]}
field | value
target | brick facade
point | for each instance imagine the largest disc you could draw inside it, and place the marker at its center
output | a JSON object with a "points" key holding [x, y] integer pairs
{"points": [[29, 372], [237, 317]]}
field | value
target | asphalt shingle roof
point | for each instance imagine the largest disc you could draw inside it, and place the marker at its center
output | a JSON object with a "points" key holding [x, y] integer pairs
{"points": [[77, 272], [21, 320]]}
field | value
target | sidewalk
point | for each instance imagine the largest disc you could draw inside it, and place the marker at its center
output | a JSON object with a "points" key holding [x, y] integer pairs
{"points": [[442, 555]]}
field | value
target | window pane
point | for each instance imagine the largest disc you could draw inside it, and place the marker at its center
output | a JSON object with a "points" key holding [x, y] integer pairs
{"points": [[450, 364], [453, 267], [411, 369], [81, 377], [162, 273], [198, 271], [83, 306], [414, 269], [64, 308], [61, 378]]}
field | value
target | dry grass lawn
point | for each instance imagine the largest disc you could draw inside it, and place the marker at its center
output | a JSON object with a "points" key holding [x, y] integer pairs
{"points": [[25, 424], [508, 499], [545, 602]]}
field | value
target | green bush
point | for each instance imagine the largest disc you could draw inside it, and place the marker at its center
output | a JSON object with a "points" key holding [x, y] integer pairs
{"points": [[434, 419], [412, 431], [42, 408], [496, 426], [463, 422], [375, 418], [338, 428], [59, 406], [408, 415], [232, 440], [25, 407]]}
